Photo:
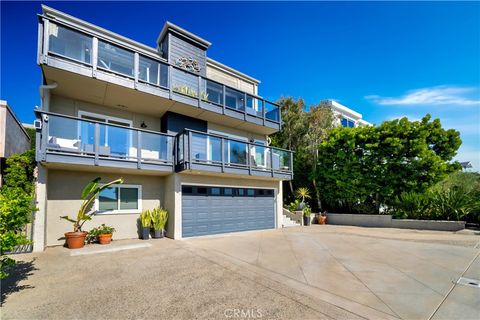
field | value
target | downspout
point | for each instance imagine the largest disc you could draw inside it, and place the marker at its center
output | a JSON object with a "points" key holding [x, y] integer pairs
{"points": [[45, 95]]}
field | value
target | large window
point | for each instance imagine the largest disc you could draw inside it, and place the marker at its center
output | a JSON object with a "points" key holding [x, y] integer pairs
{"points": [[347, 123], [153, 72], [120, 199]]}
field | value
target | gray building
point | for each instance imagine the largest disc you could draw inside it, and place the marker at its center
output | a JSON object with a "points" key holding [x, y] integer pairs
{"points": [[184, 131]]}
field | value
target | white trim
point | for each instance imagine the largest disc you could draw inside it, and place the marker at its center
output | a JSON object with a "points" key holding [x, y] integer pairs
{"points": [[197, 184], [129, 211]]}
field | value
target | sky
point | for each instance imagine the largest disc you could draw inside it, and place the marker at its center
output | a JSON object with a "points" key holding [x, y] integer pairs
{"points": [[384, 60]]}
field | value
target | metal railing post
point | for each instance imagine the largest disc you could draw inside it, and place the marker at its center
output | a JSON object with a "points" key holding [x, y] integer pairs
{"points": [[199, 90], [170, 68], [271, 160], [189, 149], [136, 67], [46, 27], [249, 160], [139, 149], [222, 157], [44, 134], [245, 106], [96, 143], [94, 56], [263, 112], [224, 95]]}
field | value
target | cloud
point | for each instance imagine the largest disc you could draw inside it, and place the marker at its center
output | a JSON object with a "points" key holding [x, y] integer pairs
{"points": [[439, 95]]}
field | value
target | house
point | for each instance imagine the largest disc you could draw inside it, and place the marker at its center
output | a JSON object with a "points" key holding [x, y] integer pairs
{"points": [[346, 117], [13, 136], [184, 131]]}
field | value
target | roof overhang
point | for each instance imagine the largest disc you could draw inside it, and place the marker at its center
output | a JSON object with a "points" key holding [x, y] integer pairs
{"points": [[168, 26]]}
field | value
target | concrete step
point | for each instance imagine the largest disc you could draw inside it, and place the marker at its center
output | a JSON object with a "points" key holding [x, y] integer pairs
{"points": [[287, 222]]}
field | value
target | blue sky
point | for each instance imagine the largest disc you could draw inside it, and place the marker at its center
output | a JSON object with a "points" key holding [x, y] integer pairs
{"points": [[385, 60]]}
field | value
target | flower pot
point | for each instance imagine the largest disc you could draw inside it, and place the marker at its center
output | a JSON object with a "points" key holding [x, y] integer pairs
{"points": [[322, 219], [306, 221], [75, 240], [158, 234], [104, 238], [146, 233]]}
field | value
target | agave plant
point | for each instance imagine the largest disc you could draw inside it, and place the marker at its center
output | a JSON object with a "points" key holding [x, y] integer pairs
{"points": [[89, 193]]}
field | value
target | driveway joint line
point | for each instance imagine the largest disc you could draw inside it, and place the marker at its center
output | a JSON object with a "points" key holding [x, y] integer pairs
{"points": [[453, 286], [295, 256]]}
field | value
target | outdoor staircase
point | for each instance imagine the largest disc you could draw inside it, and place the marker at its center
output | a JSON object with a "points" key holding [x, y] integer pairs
{"points": [[289, 219]]}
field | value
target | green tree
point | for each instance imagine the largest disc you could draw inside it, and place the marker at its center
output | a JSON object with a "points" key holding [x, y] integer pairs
{"points": [[366, 167]]}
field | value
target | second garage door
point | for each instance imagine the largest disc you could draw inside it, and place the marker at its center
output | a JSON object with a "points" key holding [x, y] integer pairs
{"points": [[213, 210]]}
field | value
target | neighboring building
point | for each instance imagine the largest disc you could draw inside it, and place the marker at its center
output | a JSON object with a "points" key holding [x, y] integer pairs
{"points": [[346, 117], [13, 136], [184, 131]]}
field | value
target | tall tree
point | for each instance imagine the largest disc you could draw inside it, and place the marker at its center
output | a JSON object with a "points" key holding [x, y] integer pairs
{"points": [[364, 168]]}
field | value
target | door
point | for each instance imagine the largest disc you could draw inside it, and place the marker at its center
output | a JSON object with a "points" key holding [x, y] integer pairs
{"points": [[213, 210]]}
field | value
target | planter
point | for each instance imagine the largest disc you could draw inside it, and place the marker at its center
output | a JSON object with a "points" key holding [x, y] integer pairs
{"points": [[157, 234], [322, 219], [306, 221], [104, 238], [146, 233], [75, 240]]}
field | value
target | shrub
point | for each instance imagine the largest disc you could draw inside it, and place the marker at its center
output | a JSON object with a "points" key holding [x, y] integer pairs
{"points": [[453, 203], [16, 205], [411, 205]]}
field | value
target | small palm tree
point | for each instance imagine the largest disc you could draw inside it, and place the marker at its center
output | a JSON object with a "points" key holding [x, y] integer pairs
{"points": [[303, 193]]}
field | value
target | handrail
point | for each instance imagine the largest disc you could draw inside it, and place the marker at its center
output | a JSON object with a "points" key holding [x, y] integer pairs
{"points": [[142, 52], [99, 122], [184, 131]]}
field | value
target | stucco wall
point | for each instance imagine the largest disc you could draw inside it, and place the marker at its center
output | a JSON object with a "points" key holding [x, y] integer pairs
{"points": [[13, 138], [71, 107], [63, 194]]}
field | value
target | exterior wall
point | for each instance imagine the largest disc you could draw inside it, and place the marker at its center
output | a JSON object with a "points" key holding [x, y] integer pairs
{"points": [[182, 48], [221, 75], [172, 123], [236, 132], [13, 137], [174, 186], [71, 107], [63, 198]]}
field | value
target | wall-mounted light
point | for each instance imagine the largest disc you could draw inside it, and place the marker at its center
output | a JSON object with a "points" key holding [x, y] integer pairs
{"points": [[143, 125]]}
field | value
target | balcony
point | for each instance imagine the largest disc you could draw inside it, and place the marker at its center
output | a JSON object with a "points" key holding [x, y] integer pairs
{"points": [[96, 54], [208, 152], [74, 141]]}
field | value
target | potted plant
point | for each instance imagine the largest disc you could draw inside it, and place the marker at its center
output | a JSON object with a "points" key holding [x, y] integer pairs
{"points": [[103, 234], [306, 215], [76, 238], [159, 219], [302, 193], [322, 218], [146, 221]]}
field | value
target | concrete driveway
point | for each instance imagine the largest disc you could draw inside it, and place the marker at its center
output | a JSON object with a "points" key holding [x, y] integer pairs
{"points": [[317, 272]]}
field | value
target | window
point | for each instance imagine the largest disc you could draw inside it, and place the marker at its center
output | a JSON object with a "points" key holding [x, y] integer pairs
{"points": [[116, 59], [223, 191], [119, 199], [347, 123]]}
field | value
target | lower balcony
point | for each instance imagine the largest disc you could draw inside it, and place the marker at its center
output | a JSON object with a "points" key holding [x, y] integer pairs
{"points": [[200, 151], [68, 140]]}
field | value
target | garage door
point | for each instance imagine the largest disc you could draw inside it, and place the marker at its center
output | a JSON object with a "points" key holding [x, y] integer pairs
{"points": [[213, 210]]}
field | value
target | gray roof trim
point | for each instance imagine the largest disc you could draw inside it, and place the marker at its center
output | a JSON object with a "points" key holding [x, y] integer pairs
{"points": [[101, 32], [170, 26], [237, 73]]}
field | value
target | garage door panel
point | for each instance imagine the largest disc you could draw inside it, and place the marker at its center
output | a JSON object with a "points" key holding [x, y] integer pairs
{"points": [[206, 214]]}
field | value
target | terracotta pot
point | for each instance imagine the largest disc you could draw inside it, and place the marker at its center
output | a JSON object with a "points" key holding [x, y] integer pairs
{"points": [[104, 238], [75, 240], [322, 220]]}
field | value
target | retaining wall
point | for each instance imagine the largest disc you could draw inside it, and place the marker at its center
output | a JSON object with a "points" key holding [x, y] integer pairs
{"points": [[386, 221]]}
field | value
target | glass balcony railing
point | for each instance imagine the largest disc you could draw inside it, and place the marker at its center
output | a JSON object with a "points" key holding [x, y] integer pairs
{"points": [[198, 147], [125, 60], [76, 136]]}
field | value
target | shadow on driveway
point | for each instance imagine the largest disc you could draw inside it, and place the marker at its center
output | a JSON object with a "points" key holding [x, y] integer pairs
{"points": [[19, 272]]}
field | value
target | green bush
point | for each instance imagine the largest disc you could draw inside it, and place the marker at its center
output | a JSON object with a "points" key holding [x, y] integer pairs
{"points": [[16, 205], [411, 205]]}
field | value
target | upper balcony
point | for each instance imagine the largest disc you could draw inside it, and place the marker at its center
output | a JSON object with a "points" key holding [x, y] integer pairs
{"points": [[95, 65]]}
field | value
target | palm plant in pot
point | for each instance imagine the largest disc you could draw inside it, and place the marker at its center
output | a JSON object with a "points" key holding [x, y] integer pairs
{"points": [[76, 238], [159, 219], [102, 234], [146, 222], [302, 194]]}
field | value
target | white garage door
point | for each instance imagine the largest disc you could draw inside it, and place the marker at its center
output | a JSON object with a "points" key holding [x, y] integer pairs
{"points": [[213, 210]]}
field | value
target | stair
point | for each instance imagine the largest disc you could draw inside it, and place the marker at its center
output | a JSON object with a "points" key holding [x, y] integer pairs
{"points": [[287, 222]]}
